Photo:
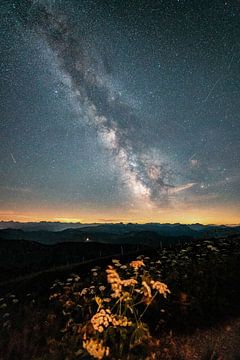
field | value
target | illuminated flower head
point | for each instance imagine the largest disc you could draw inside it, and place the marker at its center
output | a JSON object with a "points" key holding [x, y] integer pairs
{"points": [[160, 287], [136, 264]]}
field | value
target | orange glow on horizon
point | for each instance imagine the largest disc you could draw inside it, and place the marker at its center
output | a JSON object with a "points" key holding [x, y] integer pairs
{"points": [[210, 215]]}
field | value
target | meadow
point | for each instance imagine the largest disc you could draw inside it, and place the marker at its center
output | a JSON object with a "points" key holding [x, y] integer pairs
{"points": [[143, 307]]}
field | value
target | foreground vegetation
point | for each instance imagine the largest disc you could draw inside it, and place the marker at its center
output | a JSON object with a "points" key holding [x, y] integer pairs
{"points": [[127, 310]]}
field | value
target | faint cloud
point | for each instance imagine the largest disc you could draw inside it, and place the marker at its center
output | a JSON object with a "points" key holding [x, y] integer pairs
{"points": [[179, 188], [16, 189], [109, 220], [200, 199]]}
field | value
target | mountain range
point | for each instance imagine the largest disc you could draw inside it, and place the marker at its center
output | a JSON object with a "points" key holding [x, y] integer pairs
{"points": [[147, 234], [33, 247]]}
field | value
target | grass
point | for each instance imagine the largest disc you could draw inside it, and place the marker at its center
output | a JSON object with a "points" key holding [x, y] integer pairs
{"points": [[146, 308]]}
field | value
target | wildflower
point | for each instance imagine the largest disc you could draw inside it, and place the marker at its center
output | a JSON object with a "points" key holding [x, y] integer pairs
{"points": [[54, 296], [129, 282], [96, 348], [105, 318], [94, 270], [147, 291], [102, 288], [84, 291], [100, 319], [136, 264], [3, 306], [107, 300], [95, 273], [160, 287], [121, 321], [65, 313], [114, 279], [212, 248], [6, 315], [68, 304], [115, 261], [7, 324], [69, 324], [123, 267]]}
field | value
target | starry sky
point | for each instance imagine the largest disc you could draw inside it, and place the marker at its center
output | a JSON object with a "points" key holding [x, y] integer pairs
{"points": [[120, 111]]}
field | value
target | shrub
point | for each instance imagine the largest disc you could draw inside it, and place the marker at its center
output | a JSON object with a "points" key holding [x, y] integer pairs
{"points": [[106, 319]]}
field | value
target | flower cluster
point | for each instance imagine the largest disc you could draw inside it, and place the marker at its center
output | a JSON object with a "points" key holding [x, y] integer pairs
{"points": [[109, 307], [147, 292], [136, 264], [160, 287], [96, 348], [114, 279], [104, 318], [117, 283]]}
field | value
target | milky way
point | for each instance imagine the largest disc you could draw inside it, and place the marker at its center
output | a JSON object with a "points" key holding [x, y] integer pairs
{"points": [[102, 107]]}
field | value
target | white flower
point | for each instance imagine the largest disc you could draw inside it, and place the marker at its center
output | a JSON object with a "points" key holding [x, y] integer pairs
{"points": [[6, 315], [7, 324]]}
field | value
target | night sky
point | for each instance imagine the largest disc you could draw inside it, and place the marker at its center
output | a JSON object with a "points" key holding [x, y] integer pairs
{"points": [[120, 111]]}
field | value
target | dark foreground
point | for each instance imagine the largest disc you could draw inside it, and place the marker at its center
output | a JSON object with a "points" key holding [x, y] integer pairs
{"points": [[198, 319]]}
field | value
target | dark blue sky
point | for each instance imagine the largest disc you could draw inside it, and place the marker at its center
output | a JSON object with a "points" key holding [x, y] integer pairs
{"points": [[120, 110]]}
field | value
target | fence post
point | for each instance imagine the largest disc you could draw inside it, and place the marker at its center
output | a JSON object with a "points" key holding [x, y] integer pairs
{"points": [[121, 250]]}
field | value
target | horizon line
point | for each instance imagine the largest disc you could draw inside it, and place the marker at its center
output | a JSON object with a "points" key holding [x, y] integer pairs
{"points": [[114, 223]]}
